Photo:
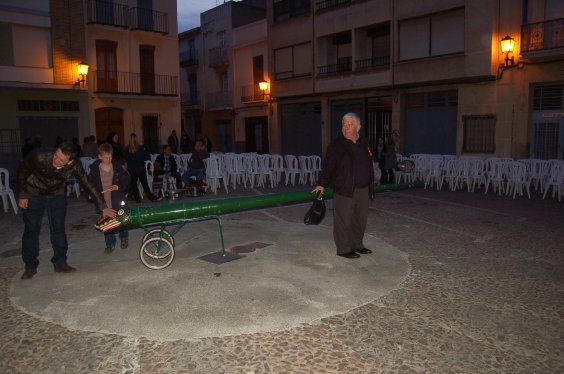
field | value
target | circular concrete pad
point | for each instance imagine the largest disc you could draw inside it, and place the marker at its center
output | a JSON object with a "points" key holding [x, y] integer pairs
{"points": [[296, 279]]}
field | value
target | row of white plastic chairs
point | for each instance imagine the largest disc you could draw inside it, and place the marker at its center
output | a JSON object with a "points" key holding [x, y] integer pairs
{"points": [[505, 175], [241, 168]]}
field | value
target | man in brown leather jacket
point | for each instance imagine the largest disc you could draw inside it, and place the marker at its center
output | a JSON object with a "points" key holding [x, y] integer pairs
{"points": [[42, 178]]}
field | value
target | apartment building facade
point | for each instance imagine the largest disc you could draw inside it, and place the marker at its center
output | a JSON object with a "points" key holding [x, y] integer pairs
{"points": [[430, 75], [191, 74], [218, 75], [131, 50]]}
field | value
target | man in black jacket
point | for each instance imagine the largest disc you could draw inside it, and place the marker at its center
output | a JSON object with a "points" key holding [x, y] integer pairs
{"points": [[42, 178], [165, 167], [348, 169]]}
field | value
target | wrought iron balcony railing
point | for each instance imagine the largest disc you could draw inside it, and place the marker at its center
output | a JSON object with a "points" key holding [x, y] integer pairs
{"points": [[542, 35], [121, 82], [120, 15], [189, 58], [219, 56], [221, 99], [190, 98], [374, 63], [327, 4], [343, 66], [252, 93], [148, 20], [107, 13]]}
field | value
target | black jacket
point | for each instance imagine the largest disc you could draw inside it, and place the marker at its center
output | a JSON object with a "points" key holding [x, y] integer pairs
{"points": [[38, 176], [121, 179], [339, 167], [161, 160]]}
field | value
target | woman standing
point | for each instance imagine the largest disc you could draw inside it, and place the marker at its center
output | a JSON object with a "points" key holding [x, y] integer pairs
{"points": [[348, 168], [135, 157], [113, 139]]}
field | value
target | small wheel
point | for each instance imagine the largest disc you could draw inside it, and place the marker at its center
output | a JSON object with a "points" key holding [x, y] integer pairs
{"points": [[156, 253], [157, 233]]}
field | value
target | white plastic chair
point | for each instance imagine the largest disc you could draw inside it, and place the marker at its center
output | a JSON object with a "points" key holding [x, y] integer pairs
{"points": [[315, 167], [265, 171], [250, 165], [6, 192], [214, 172], [306, 170], [181, 167], [517, 179], [435, 173], [73, 186], [234, 173], [477, 174], [277, 167], [556, 181], [496, 176], [292, 168], [408, 174]]}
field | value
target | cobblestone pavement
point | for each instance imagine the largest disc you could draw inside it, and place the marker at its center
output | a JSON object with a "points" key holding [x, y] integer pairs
{"points": [[485, 293]]}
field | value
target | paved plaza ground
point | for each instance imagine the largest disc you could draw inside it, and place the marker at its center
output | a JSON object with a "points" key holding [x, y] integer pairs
{"points": [[458, 283]]}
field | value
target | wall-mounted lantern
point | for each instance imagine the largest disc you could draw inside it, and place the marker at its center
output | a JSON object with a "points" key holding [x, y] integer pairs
{"points": [[83, 72], [263, 86], [507, 45]]}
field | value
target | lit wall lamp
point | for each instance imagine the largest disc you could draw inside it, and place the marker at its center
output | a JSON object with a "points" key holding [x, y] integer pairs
{"points": [[263, 86], [83, 72], [507, 45]]}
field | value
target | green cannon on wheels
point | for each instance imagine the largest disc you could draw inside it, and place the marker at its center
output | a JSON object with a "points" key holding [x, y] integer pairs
{"points": [[157, 247]]}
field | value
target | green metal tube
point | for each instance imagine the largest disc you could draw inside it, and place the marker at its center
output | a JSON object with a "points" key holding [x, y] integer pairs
{"points": [[143, 216]]}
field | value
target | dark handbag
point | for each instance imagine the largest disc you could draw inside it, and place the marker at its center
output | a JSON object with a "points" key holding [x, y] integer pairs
{"points": [[316, 212]]}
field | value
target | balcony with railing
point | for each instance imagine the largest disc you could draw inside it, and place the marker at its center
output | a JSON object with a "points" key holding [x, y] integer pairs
{"points": [[323, 5], [252, 93], [121, 82], [189, 58], [219, 100], [374, 63], [148, 20], [543, 39], [107, 13], [219, 57], [190, 98], [344, 65]]}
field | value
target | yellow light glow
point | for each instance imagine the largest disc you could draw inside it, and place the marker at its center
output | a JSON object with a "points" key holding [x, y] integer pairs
{"points": [[83, 68], [263, 85], [507, 44]]}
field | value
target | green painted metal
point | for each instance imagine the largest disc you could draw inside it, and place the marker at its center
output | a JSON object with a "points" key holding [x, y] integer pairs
{"points": [[145, 216]]}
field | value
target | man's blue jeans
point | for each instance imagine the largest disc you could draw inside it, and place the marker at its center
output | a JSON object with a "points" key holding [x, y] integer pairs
{"points": [[200, 175], [111, 240], [33, 216]]}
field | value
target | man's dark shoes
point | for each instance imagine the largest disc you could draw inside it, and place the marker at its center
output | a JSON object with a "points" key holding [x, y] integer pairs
{"points": [[109, 249], [64, 268], [124, 243], [349, 255], [29, 273], [364, 251]]}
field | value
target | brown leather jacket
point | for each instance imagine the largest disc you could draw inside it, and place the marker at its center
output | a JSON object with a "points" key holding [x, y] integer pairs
{"points": [[38, 176]]}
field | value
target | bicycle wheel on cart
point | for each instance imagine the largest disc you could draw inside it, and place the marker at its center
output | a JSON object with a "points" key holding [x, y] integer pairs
{"points": [[157, 253]]}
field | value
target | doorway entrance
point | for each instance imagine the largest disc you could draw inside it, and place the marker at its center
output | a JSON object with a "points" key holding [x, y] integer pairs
{"points": [[256, 134]]}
